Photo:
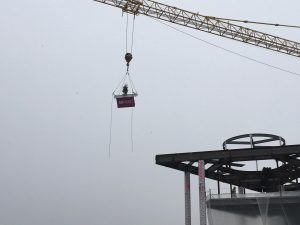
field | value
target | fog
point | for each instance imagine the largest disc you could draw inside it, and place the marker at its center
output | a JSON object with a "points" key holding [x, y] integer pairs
{"points": [[59, 64]]}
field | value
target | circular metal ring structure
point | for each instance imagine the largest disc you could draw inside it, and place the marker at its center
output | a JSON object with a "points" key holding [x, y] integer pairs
{"points": [[255, 140]]}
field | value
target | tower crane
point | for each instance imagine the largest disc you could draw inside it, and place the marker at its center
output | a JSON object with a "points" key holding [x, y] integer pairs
{"points": [[207, 24]]}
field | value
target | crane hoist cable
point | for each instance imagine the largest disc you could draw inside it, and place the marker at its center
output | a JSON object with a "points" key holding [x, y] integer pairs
{"points": [[128, 58], [132, 32], [126, 82], [121, 93]]}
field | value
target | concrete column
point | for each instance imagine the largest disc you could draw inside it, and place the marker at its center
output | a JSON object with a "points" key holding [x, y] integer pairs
{"points": [[187, 198], [202, 194]]}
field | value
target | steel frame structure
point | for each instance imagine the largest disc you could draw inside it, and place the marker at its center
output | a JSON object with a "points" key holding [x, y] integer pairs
{"points": [[262, 139], [207, 24], [219, 166]]}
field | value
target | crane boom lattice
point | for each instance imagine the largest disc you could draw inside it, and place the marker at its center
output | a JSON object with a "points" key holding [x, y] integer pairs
{"points": [[207, 24]]}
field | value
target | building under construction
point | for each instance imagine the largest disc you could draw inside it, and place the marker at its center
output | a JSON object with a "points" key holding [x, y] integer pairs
{"points": [[266, 195]]}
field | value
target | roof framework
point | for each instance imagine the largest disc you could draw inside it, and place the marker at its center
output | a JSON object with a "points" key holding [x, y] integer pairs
{"points": [[225, 166]]}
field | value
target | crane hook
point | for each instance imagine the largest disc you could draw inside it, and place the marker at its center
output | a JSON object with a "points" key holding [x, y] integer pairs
{"points": [[128, 58]]}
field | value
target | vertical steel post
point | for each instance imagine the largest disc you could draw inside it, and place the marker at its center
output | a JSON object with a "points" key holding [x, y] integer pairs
{"points": [[252, 146], [187, 198], [219, 190], [230, 186], [202, 194]]}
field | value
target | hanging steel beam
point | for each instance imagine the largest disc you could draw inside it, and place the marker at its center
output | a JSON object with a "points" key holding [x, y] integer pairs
{"points": [[207, 24]]}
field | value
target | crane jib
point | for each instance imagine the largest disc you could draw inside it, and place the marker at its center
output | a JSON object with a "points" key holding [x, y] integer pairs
{"points": [[207, 24]]}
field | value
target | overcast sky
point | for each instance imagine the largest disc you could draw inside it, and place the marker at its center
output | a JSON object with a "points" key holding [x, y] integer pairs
{"points": [[60, 62]]}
